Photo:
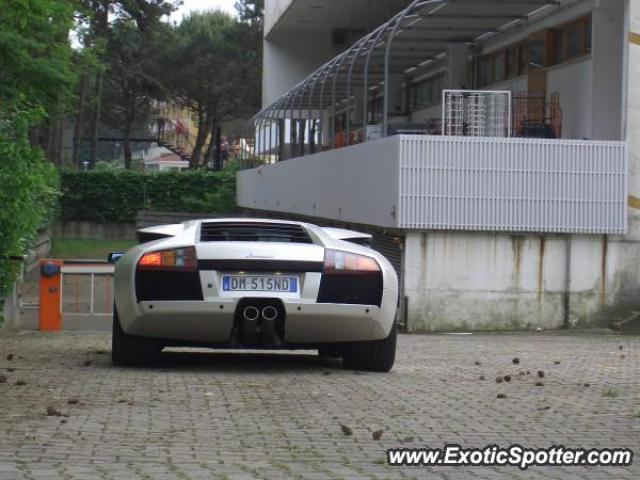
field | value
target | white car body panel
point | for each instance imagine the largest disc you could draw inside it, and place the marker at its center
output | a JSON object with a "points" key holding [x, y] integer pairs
{"points": [[211, 320], [344, 234]]}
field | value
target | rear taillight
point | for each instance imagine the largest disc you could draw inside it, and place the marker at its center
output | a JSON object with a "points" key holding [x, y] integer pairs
{"points": [[176, 259], [337, 262]]}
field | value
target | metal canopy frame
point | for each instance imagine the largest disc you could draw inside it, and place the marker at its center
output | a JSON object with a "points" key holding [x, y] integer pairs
{"points": [[408, 41]]}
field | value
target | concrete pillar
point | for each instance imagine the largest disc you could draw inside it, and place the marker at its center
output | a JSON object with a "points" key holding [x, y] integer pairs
{"points": [[457, 66], [633, 113], [290, 57], [465, 281], [608, 59], [357, 108], [395, 101], [624, 251]]}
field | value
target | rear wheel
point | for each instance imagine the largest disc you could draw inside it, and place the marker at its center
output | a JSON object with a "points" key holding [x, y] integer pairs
{"points": [[374, 356], [127, 350]]}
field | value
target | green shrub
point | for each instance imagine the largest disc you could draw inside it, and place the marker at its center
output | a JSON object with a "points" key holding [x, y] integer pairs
{"points": [[117, 196], [28, 187]]}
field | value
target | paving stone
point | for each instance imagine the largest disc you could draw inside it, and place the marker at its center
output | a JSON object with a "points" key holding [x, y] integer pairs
{"points": [[260, 415]]}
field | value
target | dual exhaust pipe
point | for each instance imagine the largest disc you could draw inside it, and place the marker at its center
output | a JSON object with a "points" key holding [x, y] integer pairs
{"points": [[258, 325], [252, 314]]}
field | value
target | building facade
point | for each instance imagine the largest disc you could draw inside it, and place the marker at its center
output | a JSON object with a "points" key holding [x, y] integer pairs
{"points": [[490, 147]]}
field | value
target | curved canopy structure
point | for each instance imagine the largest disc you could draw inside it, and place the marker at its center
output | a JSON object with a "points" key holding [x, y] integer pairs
{"points": [[350, 99]]}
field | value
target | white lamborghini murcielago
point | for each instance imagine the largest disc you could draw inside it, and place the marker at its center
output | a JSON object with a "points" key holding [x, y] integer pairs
{"points": [[256, 284]]}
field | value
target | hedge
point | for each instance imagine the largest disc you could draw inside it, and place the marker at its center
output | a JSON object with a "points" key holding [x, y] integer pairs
{"points": [[118, 195]]}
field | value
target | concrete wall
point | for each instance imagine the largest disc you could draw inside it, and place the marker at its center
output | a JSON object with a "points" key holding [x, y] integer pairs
{"points": [[475, 281], [628, 259], [290, 58], [358, 184], [516, 85], [95, 231], [273, 10], [609, 42], [23, 287], [434, 111], [574, 83]]}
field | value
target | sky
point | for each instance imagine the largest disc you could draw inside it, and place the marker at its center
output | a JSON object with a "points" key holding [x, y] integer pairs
{"points": [[200, 5]]}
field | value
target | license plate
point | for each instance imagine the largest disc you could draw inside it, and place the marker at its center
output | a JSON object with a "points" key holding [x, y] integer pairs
{"points": [[259, 283]]}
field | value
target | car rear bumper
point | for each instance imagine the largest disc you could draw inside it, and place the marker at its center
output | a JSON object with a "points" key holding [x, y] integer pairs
{"points": [[213, 320]]}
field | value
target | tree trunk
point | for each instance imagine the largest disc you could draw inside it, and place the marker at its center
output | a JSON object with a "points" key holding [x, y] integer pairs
{"points": [[128, 127], [211, 148], [78, 130], [204, 126], [60, 139], [100, 30], [49, 133], [53, 145], [128, 156], [95, 121]]}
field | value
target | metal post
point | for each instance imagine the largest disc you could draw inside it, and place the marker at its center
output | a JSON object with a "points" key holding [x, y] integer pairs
{"points": [[270, 143], [92, 289], [312, 132], [360, 44], [275, 119], [324, 82], [218, 155], [258, 142], [365, 117], [252, 149], [269, 134], [385, 116], [342, 57], [299, 105]]}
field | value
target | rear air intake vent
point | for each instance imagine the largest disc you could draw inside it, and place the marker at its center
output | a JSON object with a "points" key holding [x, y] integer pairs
{"points": [[253, 232]]}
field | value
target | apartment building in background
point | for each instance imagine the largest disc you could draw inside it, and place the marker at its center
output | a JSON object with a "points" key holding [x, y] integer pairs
{"points": [[491, 147]]}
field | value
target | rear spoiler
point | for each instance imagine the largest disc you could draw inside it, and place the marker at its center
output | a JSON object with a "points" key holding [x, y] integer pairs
{"points": [[349, 235], [159, 232]]}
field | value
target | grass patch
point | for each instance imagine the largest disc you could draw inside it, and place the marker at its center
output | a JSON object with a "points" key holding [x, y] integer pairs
{"points": [[637, 414], [610, 392], [88, 249]]}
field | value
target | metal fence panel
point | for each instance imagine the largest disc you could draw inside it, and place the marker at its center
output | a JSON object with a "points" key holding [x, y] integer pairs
{"points": [[513, 184]]}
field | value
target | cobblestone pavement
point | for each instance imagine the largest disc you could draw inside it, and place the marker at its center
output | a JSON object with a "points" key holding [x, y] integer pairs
{"points": [[250, 415]]}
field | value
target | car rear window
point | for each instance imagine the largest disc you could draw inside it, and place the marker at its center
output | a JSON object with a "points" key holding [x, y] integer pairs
{"points": [[253, 232]]}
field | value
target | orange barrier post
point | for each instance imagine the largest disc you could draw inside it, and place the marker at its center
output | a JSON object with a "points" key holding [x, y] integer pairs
{"points": [[50, 295]]}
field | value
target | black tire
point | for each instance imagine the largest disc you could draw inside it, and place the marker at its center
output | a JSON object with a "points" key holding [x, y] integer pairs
{"points": [[373, 356], [127, 350]]}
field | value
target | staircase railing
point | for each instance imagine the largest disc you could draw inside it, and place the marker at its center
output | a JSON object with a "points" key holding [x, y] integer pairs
{"points": [[175, 137]]}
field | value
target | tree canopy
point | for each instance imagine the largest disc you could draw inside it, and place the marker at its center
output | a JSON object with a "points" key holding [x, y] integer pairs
{"points": [[35, 55], [205, 71]]}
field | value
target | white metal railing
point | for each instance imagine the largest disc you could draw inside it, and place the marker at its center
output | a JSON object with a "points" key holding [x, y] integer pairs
{"points": [[513, 184]]}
